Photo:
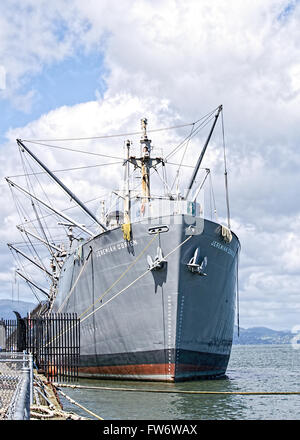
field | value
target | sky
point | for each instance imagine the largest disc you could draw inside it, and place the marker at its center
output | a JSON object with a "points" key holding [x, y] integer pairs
{"points": [[89, 68]]}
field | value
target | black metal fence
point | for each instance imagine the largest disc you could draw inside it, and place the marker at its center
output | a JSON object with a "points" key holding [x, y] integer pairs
{"points": [[8, 335], [53, 340]]}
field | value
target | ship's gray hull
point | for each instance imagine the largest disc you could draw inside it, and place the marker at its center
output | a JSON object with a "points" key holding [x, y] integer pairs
{"points": [[168, 324]]}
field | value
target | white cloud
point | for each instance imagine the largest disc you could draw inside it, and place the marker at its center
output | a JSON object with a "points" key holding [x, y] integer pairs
{"points": [[174, 61], [121, 113], [2, 78], [33, 36]]}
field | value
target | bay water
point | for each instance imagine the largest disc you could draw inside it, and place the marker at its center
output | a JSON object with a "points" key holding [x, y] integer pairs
{"points": [[252, 368]]}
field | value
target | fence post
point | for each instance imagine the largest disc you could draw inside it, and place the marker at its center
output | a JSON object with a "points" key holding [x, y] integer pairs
{"points": [[22, 411], [26, 372], [21, 332], [30, 359]]}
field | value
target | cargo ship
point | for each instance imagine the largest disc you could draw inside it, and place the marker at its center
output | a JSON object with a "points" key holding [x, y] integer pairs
{"points": [[155, 285]]}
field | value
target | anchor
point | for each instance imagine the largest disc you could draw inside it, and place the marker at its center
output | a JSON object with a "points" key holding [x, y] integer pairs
{"points": [[158, 262], [193, 265]]}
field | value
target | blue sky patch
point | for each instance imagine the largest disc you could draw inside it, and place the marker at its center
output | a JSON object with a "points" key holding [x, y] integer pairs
{"points": [[288, 10], [73, 81]]}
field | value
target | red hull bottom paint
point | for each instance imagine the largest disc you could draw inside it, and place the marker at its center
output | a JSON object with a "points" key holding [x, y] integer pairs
{"points": [[141, 369], [159, 372]]}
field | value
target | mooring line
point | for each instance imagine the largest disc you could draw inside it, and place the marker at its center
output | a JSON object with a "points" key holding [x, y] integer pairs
{"points": [[83, 318], [133, 282], [79, 405], [107, 290], [120, 277], [148, 390]]}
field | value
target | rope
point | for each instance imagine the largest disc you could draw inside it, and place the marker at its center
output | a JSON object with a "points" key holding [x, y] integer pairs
{"points": [[120, 277], [80, 406], [125, 288], [43, 412], [147, 390], [107, 290], [137, 279]]}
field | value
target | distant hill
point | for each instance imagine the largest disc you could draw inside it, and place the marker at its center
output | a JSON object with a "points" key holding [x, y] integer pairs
{"points": [[7, 308], [261, 335]]}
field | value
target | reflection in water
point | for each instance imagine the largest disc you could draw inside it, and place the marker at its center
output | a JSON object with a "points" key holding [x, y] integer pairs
{"points": [[251, 368], [209, 407]]}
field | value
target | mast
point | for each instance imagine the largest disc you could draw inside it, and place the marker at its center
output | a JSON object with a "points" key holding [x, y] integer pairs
{"points": [[31, 282], [56, 179], [69, 219], [50, 247], [145, 162], [193, 178], [226, 175], [127, 190], [30, 259], [48, 244]]}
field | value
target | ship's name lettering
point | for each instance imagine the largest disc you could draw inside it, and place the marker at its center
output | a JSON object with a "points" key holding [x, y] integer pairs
{"points": [[222, 248], [115, 247]]}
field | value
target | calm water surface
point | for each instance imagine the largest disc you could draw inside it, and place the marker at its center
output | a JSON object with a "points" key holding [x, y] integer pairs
{"points": [[251, 368]]}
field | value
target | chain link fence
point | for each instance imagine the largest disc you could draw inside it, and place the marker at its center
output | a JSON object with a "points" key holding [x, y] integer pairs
{"points": [[16, 379]]}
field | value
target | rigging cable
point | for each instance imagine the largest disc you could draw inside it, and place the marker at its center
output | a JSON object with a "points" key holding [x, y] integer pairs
{"points": [[35, 210], [165, 183], [83, 318], [63, 210], [66, 169], [45, 236], [178, 169], [36, 253], [237, 292], [189, 137], [16, 258], [213, 198], [31, 189], [117, 135], [225, 174], [47, 198], [32, 250], [202, 125], [19, 209], [207, 120], [133, 282], [74, 150]]}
